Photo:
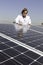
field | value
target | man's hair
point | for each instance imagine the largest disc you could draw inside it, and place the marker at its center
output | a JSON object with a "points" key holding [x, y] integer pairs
{"points": [[25, 9]]}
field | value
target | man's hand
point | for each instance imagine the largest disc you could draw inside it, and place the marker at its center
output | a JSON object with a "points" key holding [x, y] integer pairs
{"points": [[30, 24], [17, 23], [20, 24]]}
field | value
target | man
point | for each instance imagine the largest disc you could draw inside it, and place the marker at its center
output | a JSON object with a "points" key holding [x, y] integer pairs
{"points": [[22, 22]]}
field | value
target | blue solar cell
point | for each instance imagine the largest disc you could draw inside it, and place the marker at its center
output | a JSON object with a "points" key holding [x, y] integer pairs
{"points": [[14, 54]]}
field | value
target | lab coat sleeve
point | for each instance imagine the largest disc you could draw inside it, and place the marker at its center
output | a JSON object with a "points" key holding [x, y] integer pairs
{"points": [[17, 19], [29, 21]]}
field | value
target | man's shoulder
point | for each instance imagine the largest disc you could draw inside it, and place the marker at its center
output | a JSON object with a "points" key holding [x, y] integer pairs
{"points": [[19, 16], [28, 16]]}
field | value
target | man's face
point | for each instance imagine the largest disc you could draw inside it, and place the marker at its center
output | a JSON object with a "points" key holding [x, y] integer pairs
{"points": [[24, 13]]}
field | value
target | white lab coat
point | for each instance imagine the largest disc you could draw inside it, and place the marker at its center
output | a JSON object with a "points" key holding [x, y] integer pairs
{"points": [[24, 21]]}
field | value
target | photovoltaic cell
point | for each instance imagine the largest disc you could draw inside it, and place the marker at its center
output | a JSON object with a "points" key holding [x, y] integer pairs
{"points": [[14, 54]]}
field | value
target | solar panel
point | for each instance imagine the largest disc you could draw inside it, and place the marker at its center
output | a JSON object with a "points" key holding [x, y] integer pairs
{"points": [[25, 51]]}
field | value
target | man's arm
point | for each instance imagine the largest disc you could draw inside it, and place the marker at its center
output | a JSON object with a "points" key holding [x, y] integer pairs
{"points": [[29, 23], [17, 23], [17, 20]]}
